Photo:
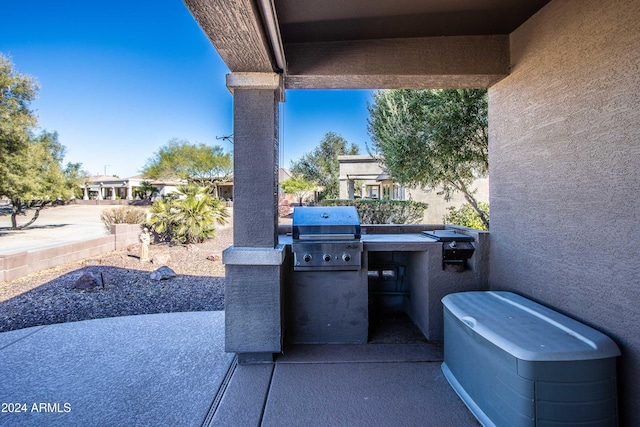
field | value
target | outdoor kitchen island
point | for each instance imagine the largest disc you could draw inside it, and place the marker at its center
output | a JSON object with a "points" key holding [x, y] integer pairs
{"points": [[402, 271]]}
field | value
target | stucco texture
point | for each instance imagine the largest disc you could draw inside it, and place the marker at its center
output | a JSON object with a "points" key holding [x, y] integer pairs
{"points": [[565, 172]]}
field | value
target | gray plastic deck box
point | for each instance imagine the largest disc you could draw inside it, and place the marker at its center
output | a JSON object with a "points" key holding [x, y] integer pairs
{"points": [[517, 363]]}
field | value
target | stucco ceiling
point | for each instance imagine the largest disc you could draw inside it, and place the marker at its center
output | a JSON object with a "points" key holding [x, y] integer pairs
{"points": [[366, 43], [332, 20]]}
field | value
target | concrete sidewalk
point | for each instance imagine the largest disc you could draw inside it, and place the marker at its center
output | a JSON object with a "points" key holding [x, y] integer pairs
{"points": [[171, 370]]}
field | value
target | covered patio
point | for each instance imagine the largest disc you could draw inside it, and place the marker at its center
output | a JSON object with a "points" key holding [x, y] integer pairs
{"points": [[171, 369], [563, 79]]}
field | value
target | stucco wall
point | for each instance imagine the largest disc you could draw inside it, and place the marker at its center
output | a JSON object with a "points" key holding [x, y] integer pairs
{"points": [[438, 206], [565, 172]]}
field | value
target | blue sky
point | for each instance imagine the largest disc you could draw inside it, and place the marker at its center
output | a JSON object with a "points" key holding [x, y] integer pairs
{"points": [[120, 78]]}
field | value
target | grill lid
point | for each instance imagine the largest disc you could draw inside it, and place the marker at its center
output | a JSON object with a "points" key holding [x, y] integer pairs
{"points": [[326, 223]]}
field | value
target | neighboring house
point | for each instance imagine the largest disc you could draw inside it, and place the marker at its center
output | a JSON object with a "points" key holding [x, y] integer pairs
{"points": [[104, 187], [284, 174], [363, 176], [225, 190]]}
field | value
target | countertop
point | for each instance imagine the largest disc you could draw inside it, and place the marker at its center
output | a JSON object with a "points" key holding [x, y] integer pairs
{"points": [[386, 242]]}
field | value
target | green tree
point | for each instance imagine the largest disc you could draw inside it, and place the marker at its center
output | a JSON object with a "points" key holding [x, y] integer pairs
{"points": [[188, 217], [467, 216], [298, 187], [16, 118], [75, 176], [31, 173], [433, 138], [198, 164], [17, 122], [35, 177], [321, 166]]}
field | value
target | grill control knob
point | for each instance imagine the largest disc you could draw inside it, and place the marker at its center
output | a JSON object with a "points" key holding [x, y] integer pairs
{"points": [[306, 257], [346, 257], [326, 257]]}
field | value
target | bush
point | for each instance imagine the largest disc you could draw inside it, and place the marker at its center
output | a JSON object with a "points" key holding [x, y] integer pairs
{"points": [[123, 215], [384, 211], [189, 216], [466, 216]]}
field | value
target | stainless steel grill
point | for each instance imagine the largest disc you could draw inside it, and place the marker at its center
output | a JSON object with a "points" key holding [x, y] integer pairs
{"points": [[456, 247], [326, 239]]}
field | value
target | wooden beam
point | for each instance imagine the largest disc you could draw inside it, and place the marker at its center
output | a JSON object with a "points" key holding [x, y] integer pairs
{"points": [[418, 63]]}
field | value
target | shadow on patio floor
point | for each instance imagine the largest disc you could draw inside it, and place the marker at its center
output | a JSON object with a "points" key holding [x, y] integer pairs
{"points": [[171, 369]]}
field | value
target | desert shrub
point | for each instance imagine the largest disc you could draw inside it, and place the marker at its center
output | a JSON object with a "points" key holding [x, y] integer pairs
{"points": [[467, 216], [123, 215], [384, 211], [189, 216]]}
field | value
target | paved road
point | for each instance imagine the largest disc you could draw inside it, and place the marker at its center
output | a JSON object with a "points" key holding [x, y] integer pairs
{"points": [[56, 225]]}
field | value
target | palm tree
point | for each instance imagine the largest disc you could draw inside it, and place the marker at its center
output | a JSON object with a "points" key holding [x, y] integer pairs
{"points": [[190, 217], [145, 190]]}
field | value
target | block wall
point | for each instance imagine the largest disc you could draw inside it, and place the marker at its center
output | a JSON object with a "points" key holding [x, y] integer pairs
{"points": [[19, 264]]}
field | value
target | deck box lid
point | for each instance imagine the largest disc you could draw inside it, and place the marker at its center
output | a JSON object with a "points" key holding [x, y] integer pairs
{"points": [[528, 330]]}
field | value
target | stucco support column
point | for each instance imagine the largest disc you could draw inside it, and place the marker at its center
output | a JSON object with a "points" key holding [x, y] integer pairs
{"points": [[255, 155], [253, 300], [85, 193], [113, 193]]}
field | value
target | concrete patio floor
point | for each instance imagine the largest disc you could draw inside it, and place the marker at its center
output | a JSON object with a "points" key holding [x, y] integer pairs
{"points": [[171, 370]]}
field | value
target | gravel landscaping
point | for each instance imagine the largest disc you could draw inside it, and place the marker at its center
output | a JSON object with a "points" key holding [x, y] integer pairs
{"points": [[125, 286]]}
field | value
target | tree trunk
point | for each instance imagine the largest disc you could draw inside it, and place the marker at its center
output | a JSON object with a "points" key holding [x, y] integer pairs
{"points": [[14, 220], [481, 213], [17, 209], [473, 202]]}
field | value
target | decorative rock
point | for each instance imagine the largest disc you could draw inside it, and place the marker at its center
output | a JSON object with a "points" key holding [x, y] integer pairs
{"points": [[87, 282], [214, 257], [161, 259], [163, 273], [134, 248]]}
